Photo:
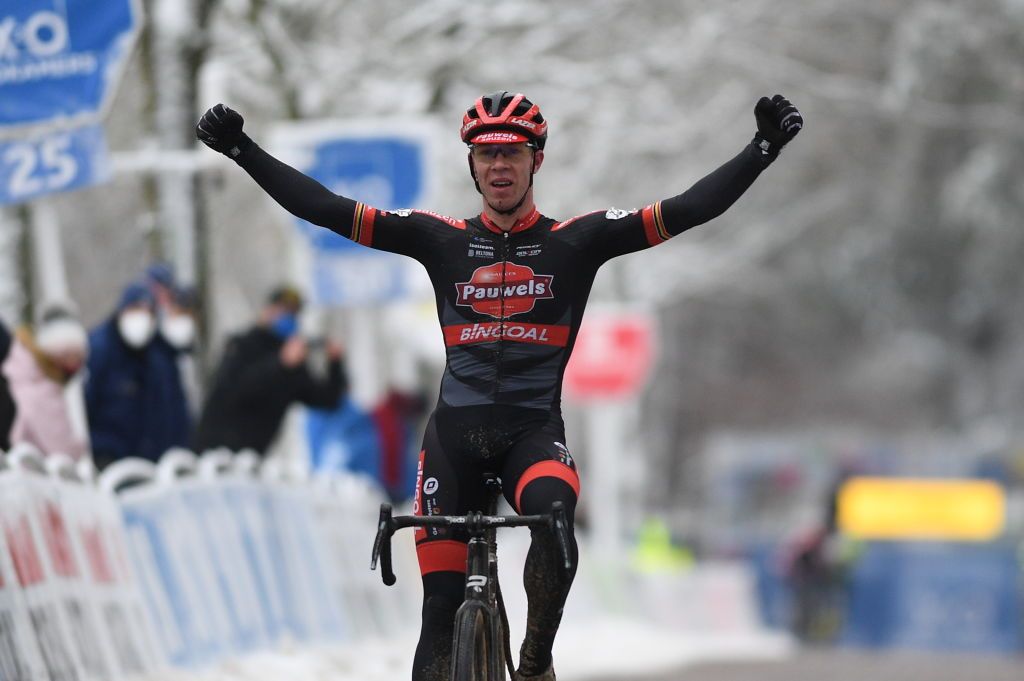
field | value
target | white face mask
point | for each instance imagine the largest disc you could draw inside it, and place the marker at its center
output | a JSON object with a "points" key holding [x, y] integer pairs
{"points": [[179, 331], [136, 327]]}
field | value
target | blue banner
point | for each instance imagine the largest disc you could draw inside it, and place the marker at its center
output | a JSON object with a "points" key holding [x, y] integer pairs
{"points": [[52, 162], [60, 59], [963, 597], [383, 165]]}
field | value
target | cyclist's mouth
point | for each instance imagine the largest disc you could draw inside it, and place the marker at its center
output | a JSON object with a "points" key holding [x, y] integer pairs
{"points": [[501, 184]]}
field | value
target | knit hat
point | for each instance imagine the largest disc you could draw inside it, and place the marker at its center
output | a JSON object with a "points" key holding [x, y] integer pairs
{"points": [[58, 330], [136, 293]]}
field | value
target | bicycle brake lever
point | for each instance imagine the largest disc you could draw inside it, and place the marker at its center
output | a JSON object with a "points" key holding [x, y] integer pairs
{"points": [[560, 526], [382, 545]]}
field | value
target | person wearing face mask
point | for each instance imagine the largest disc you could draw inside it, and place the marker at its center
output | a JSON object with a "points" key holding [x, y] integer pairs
{"points": [[135, 401], [40, 364], [178, 321], [177, 337], [264, 371]]}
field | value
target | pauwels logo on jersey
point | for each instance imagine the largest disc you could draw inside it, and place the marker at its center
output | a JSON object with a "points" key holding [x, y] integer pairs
{"points": [[504, 286]]}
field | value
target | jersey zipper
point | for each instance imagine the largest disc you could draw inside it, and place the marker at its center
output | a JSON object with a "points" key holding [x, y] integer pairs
{"points": [[501, 320]]}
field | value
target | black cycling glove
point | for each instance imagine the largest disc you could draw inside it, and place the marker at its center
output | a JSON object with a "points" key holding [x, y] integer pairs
{"points": [[220, 128], [778, 121]]}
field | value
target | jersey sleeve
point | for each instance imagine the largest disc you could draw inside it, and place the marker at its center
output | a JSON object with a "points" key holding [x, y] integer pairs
{"points": [[406, 232], [617, 232]]}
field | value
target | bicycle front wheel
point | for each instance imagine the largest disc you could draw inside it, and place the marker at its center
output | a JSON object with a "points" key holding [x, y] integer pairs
{"points": [[472, 650]]}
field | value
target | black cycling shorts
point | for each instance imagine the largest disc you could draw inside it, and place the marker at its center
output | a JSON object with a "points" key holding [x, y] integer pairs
{"points": [[461, 446]]}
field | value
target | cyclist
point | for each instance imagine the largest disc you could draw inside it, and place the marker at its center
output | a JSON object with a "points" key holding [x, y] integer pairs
{"points": [[510, 286]]}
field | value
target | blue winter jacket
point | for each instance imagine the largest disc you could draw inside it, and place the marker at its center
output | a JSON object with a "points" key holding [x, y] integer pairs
{"points": [[135, 400]]}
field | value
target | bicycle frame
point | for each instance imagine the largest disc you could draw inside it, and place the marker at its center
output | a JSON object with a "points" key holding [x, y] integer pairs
{"points": [[482, 589]]}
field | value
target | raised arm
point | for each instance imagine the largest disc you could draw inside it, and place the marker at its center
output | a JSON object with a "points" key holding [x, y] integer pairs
{"points": [[416, 236], [778, 121], [620, 232], [220, 128]]}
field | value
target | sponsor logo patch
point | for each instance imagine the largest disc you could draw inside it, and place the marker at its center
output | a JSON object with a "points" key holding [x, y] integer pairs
{"points": [[539, 334], [528, 250], [504, 286], [498, 137], [564, 456], [618, 213]]}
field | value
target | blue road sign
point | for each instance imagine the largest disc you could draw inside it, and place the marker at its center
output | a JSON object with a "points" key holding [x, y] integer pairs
{"points": [[55, 161], [60, 60], [385, 167]]}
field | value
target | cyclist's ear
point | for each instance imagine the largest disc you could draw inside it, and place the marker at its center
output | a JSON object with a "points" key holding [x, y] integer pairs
{"points": [[538, 158]]}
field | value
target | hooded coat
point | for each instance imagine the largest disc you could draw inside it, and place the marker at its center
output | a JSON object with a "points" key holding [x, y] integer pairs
{"points": [[37, 386], [134, 397]]}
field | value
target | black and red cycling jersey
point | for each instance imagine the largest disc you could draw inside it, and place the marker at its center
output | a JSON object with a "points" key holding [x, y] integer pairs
{"points": [[510, 303]]}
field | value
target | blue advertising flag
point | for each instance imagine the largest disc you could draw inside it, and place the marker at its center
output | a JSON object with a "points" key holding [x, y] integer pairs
{"points": [[384, 164], [60, 60], [55, 161]]}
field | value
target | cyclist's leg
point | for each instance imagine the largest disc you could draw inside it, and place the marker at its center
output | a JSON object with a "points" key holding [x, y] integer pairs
{"points": [[441, 488], [538, 472]]}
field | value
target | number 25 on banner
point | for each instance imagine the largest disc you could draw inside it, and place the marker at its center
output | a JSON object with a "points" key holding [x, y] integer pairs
{"points": [[52, 162]]}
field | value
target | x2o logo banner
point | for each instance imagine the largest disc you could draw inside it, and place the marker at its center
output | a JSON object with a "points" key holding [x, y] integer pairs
{"points": [[61, 60]]}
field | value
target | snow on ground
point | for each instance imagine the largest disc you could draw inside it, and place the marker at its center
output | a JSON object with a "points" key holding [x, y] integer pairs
{"points": [[604, 648]]}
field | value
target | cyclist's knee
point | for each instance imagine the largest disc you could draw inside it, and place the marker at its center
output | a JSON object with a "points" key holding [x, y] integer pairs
{"points": [[537, 495]]}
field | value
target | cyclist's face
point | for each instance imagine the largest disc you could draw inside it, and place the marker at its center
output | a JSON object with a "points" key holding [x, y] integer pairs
{"points": [[503, 171]]}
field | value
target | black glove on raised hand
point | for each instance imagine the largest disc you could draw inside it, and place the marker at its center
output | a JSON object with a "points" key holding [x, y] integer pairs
{"points": [[778, 121], [220, 128]]}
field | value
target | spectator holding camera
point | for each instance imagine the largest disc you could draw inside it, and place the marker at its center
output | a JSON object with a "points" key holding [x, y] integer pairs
{"points": [[263, 372]]}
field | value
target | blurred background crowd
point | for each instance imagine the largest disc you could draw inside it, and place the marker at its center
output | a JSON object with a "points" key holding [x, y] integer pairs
{"points": [[856, 315]]}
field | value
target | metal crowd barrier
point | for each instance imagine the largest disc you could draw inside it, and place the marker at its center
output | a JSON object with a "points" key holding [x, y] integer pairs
{"points": [[182, 564]]}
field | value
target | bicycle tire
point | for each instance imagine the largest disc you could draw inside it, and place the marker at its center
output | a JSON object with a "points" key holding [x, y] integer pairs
{"points": [[472, 648]]}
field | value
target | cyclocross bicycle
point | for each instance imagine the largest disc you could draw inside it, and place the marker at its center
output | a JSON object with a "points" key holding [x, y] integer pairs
{"points": [[481, 626]]}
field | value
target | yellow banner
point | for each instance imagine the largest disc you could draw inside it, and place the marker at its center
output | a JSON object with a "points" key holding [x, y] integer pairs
{"points": [[922, 509]]}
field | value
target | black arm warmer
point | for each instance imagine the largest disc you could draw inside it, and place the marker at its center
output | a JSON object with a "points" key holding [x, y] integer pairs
{"points": [[299, 194], [714, 193]]}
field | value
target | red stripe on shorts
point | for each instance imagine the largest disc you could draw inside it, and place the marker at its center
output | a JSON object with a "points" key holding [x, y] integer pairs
{"points": [[548, 469], [443, 555]]}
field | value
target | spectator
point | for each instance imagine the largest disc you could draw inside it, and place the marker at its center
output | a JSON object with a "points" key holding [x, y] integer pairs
{"points": [[178, 319], [262, 373], [133, 395], [397, 418], [38, 368], [178, 336], [7, 408], [162, 284], [345, 438]]}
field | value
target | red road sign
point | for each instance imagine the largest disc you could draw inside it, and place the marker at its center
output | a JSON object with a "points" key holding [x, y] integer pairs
{"points": [[612, 356]]}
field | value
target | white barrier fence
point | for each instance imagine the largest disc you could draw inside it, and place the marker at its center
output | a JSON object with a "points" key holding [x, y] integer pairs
{"points": [[175, 570], [183, 564]]}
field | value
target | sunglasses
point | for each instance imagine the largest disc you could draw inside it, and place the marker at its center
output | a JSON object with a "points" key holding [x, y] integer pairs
{"points": [[490, 152]]}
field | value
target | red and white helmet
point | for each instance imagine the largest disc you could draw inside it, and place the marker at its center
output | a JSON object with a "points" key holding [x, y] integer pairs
{"points": [[504, 118]]}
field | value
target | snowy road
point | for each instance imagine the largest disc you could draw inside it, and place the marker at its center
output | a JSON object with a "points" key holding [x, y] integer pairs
{"points": [[846, 665]]}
